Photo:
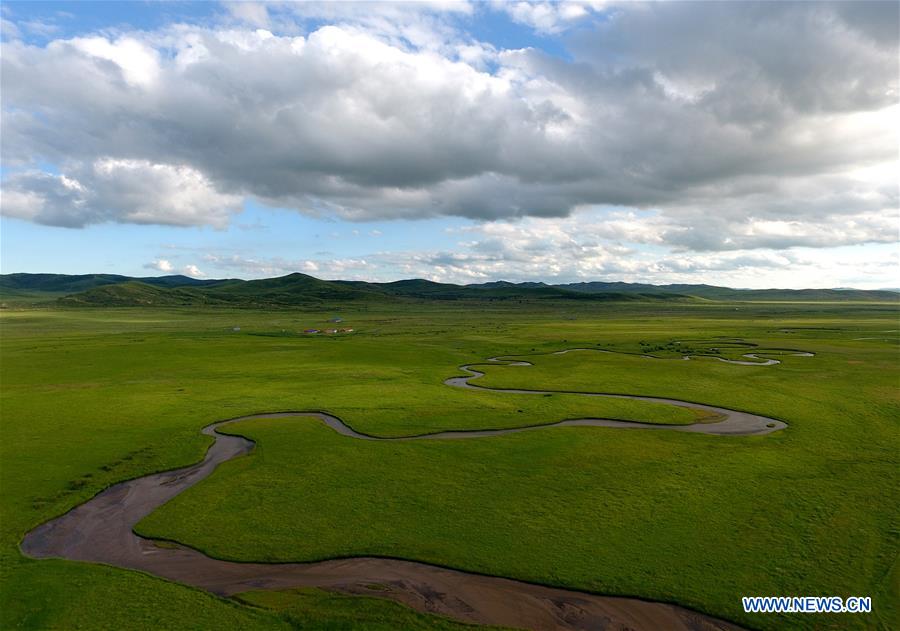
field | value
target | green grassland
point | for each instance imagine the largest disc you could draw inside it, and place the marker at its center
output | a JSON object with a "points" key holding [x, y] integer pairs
{"points": [[93, 396]]}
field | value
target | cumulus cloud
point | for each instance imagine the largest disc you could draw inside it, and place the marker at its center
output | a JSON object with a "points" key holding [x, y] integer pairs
{"points": [[110, 189], [421, 25], [162, 265], [741, 125], [167, 267], [193, 271], [332, 268], [252, 13], [548, 17], [583, 248]]}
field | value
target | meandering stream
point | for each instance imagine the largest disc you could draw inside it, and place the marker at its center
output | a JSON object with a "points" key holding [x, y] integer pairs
{"points": [[101, 531]]}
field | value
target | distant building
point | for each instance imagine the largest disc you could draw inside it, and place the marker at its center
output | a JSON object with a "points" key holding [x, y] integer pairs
{"points": [[311, 331], [336, 320], [331, 330]]}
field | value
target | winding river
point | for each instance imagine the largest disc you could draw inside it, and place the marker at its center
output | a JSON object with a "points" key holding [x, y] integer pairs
{"points": [[101, 531]]}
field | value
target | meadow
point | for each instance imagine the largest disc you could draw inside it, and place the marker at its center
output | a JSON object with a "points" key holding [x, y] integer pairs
{"points": [[93, 396]]}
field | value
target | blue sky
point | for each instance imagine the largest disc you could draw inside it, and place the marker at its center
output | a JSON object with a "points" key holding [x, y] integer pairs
{"points": [[257, 236], [455, 141]]}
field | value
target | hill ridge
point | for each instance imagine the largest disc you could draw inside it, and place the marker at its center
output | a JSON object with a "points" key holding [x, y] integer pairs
{"points": [[302, 289]]}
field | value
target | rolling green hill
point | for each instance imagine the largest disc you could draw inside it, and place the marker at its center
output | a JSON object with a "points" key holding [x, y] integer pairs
{"points": [[713, 292], [302, 289], [292, 289], [69, 283], [56, 283], [135, 294]]}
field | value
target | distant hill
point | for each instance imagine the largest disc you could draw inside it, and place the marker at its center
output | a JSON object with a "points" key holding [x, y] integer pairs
{"points": [[69, 283], [134, 293], [303, 290], [57, 283], [712, 292], [178, 280], [300, 289], [294, 289], [291, 289], [426, 289]]}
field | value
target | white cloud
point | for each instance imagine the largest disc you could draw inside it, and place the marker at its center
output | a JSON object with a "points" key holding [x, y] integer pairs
{"points": [[193, 271], [162, 265], [132, 191], [167, 267], [740, 126], [9, 30], [253, 13], [871, 268], [548, 17], [332, 268], [138, 62]]}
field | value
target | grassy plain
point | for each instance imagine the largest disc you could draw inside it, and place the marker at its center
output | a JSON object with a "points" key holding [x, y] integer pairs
{"points": [[91, 397]]}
